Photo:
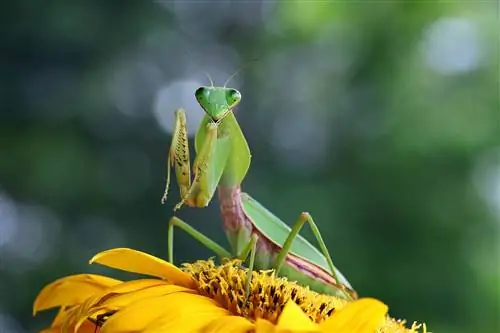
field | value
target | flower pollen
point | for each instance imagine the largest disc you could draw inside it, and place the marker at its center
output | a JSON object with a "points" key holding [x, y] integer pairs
{"points": [[268, 294], [399, 326]]}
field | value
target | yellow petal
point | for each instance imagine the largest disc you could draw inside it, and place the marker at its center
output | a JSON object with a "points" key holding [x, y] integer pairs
{"points": [[72, 316], [71, 290], [87, 327], [294, 319], [134, 285], [264, 326], [65, 316], [60, 317], [230, 324], [139, 262], [82, 319], [118, 301], [362, 316], [184, 320], [115, 301], [173, 313]]}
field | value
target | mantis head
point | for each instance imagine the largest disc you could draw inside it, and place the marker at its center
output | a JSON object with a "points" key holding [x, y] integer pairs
{"points": [[217, 101]]}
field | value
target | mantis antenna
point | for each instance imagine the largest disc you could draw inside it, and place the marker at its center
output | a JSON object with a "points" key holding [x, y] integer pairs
{"points": [[209, 78], [239, 70]]}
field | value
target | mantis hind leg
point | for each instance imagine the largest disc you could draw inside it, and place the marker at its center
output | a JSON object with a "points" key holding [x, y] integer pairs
{"points": [[303, 218], [210, 244]]}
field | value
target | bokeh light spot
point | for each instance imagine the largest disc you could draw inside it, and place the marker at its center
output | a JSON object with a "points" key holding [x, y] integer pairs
{"points": [[451, 46], [8, 219], [179, 94], [8, 324]]}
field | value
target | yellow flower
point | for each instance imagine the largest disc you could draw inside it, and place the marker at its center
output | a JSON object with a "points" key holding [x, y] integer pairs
{"points": [[203, 297], [69, 293]]}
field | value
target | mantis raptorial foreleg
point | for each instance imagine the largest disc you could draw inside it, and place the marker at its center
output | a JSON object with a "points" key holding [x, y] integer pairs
{"points": [[210, 244], [303, 218], [178, 156], [206, 167]]}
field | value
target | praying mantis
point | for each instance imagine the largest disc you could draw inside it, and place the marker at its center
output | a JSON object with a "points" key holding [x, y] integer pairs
{"points": [[222, 161]]}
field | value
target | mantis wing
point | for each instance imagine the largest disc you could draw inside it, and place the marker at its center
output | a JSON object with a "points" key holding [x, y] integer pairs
{"points": [[277, 232], [237, 163]]}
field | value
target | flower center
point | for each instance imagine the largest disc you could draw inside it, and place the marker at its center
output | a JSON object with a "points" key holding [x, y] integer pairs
{"points": [[268, 294]]}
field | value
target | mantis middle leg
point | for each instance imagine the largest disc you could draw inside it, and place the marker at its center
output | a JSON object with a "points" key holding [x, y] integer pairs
{"points": [[250, 248], [210, 244]]}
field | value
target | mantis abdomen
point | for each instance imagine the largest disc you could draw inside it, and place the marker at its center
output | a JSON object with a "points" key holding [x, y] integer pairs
{"points": [[240, 228]]}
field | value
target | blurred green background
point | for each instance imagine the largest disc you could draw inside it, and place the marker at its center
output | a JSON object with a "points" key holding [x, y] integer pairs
{"points": [[380, 118]]}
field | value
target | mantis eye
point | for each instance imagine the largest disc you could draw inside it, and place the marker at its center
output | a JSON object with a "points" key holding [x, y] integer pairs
{"points": [[201, 93], [233, 97]]}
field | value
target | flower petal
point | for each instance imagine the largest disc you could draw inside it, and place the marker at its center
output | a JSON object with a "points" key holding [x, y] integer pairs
{"points": [[139, 262], [364, 315], [58, 327], [186, 321], [71, 290], [113, 301], [121, 300], [294, 319], [60, 317], [134, 285], [230, 324], [264, 326], [177, 312], [87, 327]]}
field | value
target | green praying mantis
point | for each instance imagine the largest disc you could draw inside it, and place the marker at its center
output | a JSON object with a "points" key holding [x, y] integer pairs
{"points": [[222, 161]]}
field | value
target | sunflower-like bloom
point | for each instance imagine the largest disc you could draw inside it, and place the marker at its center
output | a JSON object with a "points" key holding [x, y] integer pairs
{"points": [[202, 297]]}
